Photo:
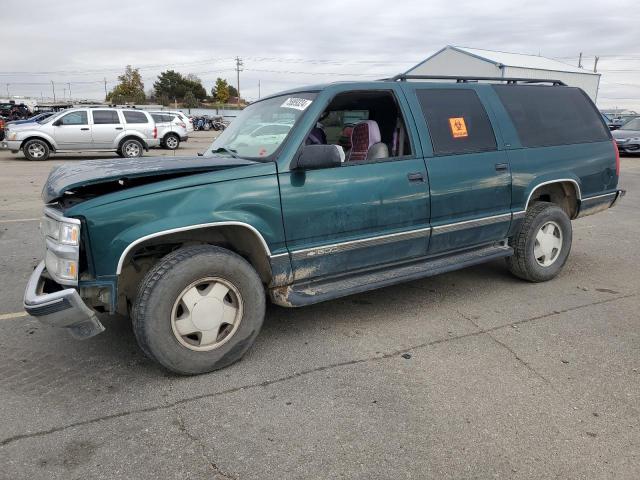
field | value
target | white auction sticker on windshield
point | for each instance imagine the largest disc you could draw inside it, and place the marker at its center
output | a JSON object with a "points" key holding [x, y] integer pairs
{"points": [[297, 103]]}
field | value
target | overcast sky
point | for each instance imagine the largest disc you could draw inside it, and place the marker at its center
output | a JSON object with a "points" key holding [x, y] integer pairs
{"points": [[290, 43]]}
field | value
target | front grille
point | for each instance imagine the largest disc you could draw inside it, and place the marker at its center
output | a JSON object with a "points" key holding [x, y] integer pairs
{"points": [[40, 311]]}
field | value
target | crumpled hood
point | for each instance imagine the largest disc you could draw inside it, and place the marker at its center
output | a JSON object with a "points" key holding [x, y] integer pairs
{"points": [[70, 176]]}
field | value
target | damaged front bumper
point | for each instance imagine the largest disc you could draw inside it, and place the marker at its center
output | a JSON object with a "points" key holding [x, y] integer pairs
{"points": [[62, 308]]}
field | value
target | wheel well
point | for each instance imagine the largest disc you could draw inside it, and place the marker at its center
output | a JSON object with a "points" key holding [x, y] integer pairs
{"points": [[133, 137], [171, 134], [38, 138], [141, 258], [563, 194]]}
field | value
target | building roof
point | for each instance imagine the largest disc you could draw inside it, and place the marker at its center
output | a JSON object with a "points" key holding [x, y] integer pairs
{"points": [[519, 60]]}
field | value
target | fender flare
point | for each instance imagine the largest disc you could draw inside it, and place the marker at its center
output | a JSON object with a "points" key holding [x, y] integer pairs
{"points": [[162, 233]]}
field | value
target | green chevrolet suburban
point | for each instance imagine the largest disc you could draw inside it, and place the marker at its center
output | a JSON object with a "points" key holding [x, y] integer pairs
{"points": [[317, 193]]}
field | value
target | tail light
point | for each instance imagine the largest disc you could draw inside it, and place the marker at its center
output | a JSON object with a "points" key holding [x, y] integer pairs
{"points": [[615, 147], [155, 132], [182, 125]]}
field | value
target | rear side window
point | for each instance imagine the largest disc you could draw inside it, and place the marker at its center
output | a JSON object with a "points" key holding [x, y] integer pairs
{"points": [[457, 121], [162, 118], [105, 117], [548, 116], [135, 117]]}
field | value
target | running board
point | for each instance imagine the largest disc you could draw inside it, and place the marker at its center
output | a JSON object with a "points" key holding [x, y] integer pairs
{"points": [[298, 295]]}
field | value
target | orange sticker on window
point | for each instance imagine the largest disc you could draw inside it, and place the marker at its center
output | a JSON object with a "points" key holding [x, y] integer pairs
{"points": [[458, 127]]}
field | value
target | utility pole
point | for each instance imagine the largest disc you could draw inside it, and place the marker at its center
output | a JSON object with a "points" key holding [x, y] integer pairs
{"points": [[105, 88], [258, 89], [238, 70], [69, 85], [53, 86], [595, 65], [580, 61], [7, 90]]}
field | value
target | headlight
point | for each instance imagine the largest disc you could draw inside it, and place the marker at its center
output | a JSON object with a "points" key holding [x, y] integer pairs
{"points": [[62, 240], [12, 135], [61, 268], [62, 232]]}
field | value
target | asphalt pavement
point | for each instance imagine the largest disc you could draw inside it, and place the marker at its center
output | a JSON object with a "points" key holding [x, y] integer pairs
{"points": [[471, 374]]}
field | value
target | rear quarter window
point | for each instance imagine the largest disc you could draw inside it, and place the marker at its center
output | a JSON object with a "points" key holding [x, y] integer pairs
{"points": [[549, 116], [135, 117]]}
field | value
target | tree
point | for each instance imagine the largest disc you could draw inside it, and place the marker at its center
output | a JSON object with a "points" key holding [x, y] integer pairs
{"points": [[220, 91], [173, 84], [233, 92], [130, 89], [190, 100]]}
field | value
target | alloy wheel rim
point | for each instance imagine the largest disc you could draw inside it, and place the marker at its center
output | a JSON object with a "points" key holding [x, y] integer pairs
{"points": [[36, 150], [171, 142], [206, 314], [548, 244], [132, 150]]}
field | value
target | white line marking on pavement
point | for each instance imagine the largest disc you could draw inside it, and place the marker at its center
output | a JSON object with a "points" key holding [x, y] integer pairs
{"points": [[9, 316], [21, 220]]}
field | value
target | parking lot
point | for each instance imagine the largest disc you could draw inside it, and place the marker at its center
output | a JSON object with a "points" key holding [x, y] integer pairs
{"points": [[472, 374]]}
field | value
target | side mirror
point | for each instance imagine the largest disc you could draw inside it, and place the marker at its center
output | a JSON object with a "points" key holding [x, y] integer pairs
{"points": [[314, 157], [57, 123]]}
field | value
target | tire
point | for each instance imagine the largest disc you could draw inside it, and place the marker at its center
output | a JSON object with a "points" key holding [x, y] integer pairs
{"points": [[160, 303], [171, 141], [131, 148], [36, 150], [542, 244]]}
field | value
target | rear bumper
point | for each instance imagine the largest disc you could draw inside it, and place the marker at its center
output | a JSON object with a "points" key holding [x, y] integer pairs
{"points": [[184, 138], [62, 308]]}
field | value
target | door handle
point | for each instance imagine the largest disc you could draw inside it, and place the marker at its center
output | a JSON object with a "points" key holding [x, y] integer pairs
{"points": [[415, 177], [118, 128], [502, 167], [84, 128]]}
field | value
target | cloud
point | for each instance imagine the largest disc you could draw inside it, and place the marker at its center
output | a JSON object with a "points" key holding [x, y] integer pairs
{"points": [[290, 43]]}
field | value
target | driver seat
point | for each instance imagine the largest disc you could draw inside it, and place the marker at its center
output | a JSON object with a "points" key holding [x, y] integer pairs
{"points": [[366, 142]]}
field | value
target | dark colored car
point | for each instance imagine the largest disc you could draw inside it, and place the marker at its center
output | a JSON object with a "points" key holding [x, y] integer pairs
{"points": [[436, 176], [36, 118], [628, 137]]}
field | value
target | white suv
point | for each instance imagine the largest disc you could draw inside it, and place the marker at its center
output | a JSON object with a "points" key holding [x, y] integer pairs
{"points": [[171, 129], [182, 117], [128, 132]]}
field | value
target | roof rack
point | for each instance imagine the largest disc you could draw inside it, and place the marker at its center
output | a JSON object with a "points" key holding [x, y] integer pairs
{"points": [[510, 80]]}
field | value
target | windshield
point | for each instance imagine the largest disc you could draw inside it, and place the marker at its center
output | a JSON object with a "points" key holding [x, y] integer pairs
{"points": [[262, 127], [631, 125], [50, 118]]}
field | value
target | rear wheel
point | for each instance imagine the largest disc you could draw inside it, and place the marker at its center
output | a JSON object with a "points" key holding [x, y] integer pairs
{"points": [[130, 149], [171, 141], [36, 150], [199, 309], [542, 245]]}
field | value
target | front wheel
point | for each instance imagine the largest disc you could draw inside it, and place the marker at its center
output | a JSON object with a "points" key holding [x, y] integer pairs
{"points": [[542, 244], [199, 309], [36, 150]]}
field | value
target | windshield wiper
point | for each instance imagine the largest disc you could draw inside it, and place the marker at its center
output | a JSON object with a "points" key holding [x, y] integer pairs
{"points": [[230, 151]]}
